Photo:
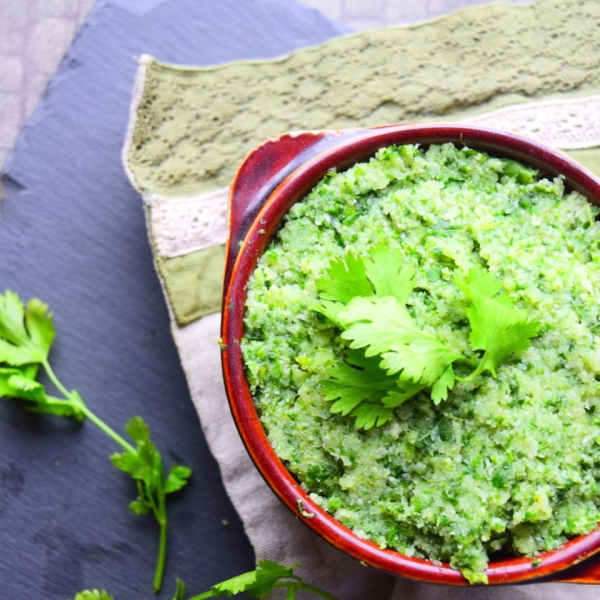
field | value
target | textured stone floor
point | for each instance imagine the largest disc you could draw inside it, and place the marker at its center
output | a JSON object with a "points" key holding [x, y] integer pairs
{"points": [[34, 35]]}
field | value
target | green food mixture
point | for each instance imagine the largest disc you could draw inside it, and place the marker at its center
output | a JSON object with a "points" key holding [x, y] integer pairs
{"points": [[504, 463]]}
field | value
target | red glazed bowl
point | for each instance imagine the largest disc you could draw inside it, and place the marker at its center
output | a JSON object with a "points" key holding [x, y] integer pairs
{"points": [[270, 180]]}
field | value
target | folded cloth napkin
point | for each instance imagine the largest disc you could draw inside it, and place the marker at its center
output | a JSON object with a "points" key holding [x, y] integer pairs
{"points": [[532, 69]]}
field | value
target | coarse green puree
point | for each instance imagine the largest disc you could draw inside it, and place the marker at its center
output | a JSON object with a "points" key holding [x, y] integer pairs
{"points": [[508, 462]]}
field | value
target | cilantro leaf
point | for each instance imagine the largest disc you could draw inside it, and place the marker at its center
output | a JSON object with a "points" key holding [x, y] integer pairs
{"points": [[370, 414], [14, 383], [439, 390], [139, 507], [390, 275], [20, 384], [423, 360], [346, 278], [405, 391], [363, 390], [26, 334], [138, 430], [497, 327], [177, 478], [499, 330], [328, 309], [255, 583], [179, 590], [376, 324], [93, 595], [357, 380], [478, 281], [383, 326], [144, 464]]}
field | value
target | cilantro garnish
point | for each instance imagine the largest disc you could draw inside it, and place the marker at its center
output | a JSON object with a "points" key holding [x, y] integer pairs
{"points": [[26, 336], [365, 298], [262, 582]]}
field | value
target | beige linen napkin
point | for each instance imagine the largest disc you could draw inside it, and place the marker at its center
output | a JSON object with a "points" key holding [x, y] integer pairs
{"points": [[534, 69]]}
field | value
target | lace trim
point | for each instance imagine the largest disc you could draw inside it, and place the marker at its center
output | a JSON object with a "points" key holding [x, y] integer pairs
{"points": [[565, 124], [182, 225]]}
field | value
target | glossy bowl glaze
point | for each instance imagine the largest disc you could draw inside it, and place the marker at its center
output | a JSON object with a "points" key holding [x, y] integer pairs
{"points": [[271, 179]]}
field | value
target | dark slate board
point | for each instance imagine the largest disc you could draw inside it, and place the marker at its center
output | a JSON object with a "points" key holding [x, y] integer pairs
{"points": [[72, 232]]}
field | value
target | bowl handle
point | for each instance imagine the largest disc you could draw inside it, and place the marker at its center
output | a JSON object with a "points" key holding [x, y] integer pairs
{"points": [[263, 170]]}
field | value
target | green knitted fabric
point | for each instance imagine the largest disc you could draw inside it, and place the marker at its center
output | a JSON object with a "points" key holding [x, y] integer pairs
{"points": [[195, 125]]}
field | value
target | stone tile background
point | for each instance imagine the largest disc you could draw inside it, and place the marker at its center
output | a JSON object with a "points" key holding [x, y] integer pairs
{"points": [[34, 35]]}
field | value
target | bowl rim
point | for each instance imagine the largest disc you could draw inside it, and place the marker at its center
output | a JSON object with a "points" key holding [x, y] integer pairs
{"points": [[262, 229]]}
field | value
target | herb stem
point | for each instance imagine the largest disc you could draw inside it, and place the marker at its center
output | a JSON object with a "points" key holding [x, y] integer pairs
{"points": [[307, 588], [111, 433], [161, 517], [54, 379], [317, 591], [72, 399], [480, 368]]}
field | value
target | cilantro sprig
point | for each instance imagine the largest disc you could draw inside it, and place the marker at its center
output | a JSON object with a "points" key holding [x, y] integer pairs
{"points": [[260, 583], [391, 359], [26, 337]]}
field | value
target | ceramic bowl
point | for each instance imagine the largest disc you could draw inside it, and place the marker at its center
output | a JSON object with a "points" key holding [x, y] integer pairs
{"points": [[270, 180]]}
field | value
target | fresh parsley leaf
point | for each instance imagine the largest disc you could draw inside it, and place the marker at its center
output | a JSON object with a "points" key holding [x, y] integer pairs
{"points": [[261, 582], [346, 278], [389, 273], [93, 595], [26, 333]]}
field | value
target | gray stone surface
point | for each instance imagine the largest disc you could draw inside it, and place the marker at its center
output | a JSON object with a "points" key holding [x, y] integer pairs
{"points": [[72, 232], [34, 36]]}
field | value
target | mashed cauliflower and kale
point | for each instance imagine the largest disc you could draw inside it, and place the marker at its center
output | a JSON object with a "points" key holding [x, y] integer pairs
{"points": [[510, 462]]}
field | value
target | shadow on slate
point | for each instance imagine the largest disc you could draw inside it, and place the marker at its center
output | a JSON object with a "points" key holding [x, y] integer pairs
{"points": [[72, 232]]}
